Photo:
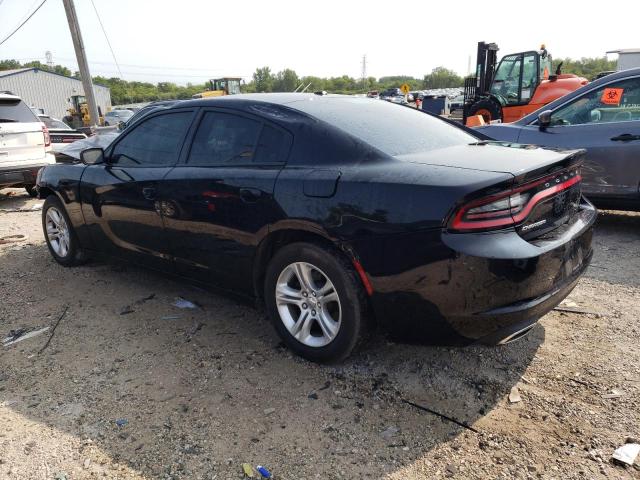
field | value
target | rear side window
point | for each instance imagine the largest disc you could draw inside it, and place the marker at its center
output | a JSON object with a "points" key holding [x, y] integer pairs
{"points": [[223, 139], [154, 142], [273, 145], [12, 110], [392, 129]]}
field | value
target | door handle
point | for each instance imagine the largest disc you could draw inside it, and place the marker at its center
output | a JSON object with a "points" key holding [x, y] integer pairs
{"points": [[250, 195], [625, 137], [149, 193]]}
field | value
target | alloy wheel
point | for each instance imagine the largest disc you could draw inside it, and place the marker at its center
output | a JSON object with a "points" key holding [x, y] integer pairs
{"points": [[308, 304], [57, 232]]}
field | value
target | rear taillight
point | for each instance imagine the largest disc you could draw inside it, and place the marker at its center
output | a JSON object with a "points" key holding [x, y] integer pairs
{"points": [[47, 138], [511, 207]]}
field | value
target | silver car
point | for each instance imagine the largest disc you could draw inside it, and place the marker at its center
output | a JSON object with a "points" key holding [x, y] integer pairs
{"points": [[114, 117]]}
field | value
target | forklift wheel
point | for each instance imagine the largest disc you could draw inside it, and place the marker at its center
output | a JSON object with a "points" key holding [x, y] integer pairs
{"points": [[489, 109]]}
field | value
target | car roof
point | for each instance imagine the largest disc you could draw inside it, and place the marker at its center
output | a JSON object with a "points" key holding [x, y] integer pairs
{"points": [[632, 72], [9, 96]]}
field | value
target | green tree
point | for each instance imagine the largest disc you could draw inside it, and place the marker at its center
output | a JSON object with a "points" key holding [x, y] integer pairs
{"points": [[263, 79], [585, 67], [441, 77], [286, 81]]}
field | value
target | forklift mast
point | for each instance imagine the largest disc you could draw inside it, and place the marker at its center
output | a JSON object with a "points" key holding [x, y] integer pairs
{"points": [[480, 84]]}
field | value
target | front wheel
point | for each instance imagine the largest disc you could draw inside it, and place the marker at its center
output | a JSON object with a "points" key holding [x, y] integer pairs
{"points": [[315, 301], [489, 110], [31, 190], [59, 234]]}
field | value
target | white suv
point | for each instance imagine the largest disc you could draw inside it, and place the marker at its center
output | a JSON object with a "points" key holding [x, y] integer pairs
{"points": [[24, 144]]}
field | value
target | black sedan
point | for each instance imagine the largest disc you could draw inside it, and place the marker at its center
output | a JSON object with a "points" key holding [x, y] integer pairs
{"points": [[335, 211]]}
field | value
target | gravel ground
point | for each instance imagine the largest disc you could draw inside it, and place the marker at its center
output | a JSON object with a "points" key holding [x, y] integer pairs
{"points": [[162, 392]]}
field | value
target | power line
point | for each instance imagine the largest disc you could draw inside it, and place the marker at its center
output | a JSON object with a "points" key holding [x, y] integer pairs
{"points": [[22, 24], [107, 38]]}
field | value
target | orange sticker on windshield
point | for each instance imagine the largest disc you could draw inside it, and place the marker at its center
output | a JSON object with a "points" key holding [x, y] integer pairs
{"points": [[612, 96]]}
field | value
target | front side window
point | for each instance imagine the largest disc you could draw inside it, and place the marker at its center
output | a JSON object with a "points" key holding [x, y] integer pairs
{"points": [[224, 138], [529, 76], [506, 81], [616, 102], [154, 142]]}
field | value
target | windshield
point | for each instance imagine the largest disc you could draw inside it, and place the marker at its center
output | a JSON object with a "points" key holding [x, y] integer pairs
{"points": [[392, 129], [15, 110]]}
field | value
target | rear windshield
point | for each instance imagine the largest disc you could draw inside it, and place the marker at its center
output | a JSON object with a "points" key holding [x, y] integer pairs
{"points": [[12, 110], [392, 129], [54, 124]]}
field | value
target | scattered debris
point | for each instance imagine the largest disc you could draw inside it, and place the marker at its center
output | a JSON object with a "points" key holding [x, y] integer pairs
{"points": [[21, 334], [269, 411], [567, 302], [61, 476], [627, 453], [126, 310], [313, 396], [514, 395], [263, 471], [578, 311], [53, 330], [145, 299], [196, 327], [326, 385], [170, 317], [13, 239], [248, 470], [438, 414], [33, 208], [613, 394], [121, 422], [389, 433], [182, 303]]}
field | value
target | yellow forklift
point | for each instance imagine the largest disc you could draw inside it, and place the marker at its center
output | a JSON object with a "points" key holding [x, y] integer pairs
{"points": [[78, 115], [219, 87]]}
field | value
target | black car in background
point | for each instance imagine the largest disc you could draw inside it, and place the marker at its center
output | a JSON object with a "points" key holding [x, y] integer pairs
{"points": [[334, 211]]}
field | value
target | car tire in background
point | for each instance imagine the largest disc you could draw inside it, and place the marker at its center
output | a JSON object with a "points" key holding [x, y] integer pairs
{"points": [[488, 108], [322, 316], [59, 234], [31, 190]]}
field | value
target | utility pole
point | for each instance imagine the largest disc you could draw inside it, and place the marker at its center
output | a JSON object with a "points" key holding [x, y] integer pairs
{"points": [[81, 56], [364, 71]]}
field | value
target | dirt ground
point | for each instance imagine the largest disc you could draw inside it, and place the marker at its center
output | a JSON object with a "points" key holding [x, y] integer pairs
{"points": [[167, 393]]}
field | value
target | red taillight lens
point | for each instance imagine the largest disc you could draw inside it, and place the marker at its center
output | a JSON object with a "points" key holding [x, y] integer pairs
{"points": [[512, 206], [47, 138]]}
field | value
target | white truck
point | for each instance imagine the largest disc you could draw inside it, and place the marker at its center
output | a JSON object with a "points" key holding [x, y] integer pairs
{"points": [[24, 144]]}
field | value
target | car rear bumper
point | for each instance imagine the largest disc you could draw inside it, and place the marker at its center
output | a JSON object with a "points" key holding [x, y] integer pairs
{"points": [[479, 287], [22, 174]]}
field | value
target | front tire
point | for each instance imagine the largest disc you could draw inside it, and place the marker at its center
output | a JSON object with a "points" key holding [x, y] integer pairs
{"points": [[31, 190], [315, 301], [59, 234]]}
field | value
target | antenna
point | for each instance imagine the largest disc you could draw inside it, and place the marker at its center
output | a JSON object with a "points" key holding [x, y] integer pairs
{"points": [[49, 56], [364, 71]]}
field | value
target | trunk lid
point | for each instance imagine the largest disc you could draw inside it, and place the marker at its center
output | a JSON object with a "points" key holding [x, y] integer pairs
{"points": [[545, 193]]}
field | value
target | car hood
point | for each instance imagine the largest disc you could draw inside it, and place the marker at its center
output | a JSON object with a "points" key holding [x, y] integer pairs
{"points": [[103, 141], [503, 157]]}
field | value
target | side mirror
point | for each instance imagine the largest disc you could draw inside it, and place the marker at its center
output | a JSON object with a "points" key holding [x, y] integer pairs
{"points": [[121, 125], [92, 156], [544, 118]]}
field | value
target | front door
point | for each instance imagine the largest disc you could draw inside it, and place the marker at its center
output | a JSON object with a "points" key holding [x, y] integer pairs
{"points": [[218, 204], [120, 198], [605, 121]]}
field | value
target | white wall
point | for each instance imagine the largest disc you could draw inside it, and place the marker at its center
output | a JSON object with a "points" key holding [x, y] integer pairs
{"points": [[50, 91]]}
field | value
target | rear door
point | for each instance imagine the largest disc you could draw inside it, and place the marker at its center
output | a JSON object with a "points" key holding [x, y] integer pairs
{"points": [[21, 137], [121, 203], [218, 204], [605, 121]]}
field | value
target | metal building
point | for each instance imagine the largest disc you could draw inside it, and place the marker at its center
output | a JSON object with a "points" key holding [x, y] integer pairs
{"points": [[49, 91]]}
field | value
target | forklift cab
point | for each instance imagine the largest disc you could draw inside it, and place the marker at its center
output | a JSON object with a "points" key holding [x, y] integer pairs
{"points": [[228, 85], [518, 76]]}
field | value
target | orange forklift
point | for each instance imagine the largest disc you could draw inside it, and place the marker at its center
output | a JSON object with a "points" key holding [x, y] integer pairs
{"points": [[521, 83]]}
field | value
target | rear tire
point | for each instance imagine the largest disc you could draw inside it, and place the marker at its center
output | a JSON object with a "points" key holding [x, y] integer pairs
{"points": [[31, 190], [59, 234], [488, 108], [320, 318]]}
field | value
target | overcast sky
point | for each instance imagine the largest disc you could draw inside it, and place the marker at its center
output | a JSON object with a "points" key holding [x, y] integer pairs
{"points": [[192, 41]]}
